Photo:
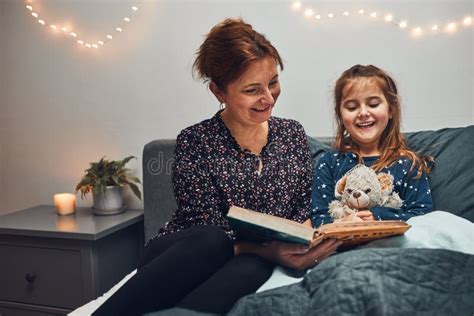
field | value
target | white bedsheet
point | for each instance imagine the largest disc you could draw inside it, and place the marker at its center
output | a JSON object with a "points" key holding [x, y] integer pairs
{"points": [[436, 230]]}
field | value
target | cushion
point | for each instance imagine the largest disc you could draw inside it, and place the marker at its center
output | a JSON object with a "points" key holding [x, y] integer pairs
{"points": [[452, 178], [318, 146]]}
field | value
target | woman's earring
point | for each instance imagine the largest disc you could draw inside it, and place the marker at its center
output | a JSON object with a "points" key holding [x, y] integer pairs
{"points": [[222, 106]]}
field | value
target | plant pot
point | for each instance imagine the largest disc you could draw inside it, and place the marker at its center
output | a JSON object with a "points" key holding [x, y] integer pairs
{"points": [[108, 203]]}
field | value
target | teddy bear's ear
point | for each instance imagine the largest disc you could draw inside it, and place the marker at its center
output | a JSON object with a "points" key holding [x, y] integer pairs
{"points": [[340, 185], [386, 182]]}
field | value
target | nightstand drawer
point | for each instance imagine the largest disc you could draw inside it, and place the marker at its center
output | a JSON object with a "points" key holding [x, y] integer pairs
{"points": [[42, 276]]}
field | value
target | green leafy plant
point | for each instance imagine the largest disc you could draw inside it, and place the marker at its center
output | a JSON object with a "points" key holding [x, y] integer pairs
{"points": [[106, 173]]}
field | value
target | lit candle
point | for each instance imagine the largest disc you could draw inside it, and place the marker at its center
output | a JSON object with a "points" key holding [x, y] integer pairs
{"points": [[65, 203]]}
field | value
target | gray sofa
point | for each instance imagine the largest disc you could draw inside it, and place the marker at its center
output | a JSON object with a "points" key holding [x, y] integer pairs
{"points": [[379, 281], [452, 180]]}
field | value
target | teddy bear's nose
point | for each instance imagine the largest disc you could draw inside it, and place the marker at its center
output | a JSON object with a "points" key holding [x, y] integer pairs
{"points": [[356, 194]]}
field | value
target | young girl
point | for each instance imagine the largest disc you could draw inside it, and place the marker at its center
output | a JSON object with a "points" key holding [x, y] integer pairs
{"points": [[368, 115]]}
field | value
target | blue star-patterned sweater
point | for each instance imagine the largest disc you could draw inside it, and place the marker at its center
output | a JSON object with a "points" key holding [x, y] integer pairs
{"points": [[332, 166]]}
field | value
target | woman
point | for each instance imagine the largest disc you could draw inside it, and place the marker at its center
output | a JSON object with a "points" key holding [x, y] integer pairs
{"points": [[242, 156]]}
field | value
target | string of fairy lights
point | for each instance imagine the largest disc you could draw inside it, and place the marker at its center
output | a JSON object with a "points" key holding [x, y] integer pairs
{"points": [[83, 39], [307, 11], [416, 30]]}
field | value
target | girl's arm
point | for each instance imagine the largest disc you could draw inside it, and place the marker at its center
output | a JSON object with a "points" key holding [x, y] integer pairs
{"points": [[322, 191], [415, 193]]}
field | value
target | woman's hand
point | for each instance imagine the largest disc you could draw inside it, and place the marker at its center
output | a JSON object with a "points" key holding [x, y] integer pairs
{"points": [[290, 255], [298, 257], [365, 215]]}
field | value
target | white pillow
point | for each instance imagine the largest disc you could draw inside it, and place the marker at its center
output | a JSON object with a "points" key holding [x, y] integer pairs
{"points": [[435, 230]]}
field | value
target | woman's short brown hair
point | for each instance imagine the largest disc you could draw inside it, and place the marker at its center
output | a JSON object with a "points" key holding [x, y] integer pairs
{"points": [[229, 48]]}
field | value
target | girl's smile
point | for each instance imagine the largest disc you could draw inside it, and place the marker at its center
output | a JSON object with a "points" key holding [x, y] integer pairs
{"points": [[365, 114]]}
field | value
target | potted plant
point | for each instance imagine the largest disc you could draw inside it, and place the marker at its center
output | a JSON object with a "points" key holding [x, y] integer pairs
{"points": [[106, 179]]}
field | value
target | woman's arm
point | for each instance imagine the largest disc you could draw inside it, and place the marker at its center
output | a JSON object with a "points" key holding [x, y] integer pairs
{"points": [[289, 255], [302, 163], [194, 190]]}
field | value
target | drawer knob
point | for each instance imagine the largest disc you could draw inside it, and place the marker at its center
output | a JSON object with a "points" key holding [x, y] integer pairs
{"points": [[30, 277]]}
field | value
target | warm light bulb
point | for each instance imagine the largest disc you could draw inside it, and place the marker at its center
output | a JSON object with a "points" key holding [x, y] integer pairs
{"points": [[330, 15], [434, 27], [73, 34], [95, 46], [134, 8], [109, 36], [119, 29], [318, 17], [373, 14], [451, 27], [346, 13], [88, 45], [100, 43], [34, 14], [417, 31], [126, 20], [388, 18], [308, 13], [80, 42], [29, 7], [467, 21], [53, 27], [41, 22], [403, 24], [64, 29], [361, 11], [296, 6]]}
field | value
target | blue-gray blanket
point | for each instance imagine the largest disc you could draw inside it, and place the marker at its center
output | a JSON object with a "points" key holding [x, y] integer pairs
{"points": [[389, 281], [375, 282]]}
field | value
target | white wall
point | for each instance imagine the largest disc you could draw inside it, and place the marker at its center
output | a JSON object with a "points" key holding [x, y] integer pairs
{"points": [[63, 105]]}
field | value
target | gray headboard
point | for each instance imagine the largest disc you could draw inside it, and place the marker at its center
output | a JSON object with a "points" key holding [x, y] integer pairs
{"points": [[158, 196]]}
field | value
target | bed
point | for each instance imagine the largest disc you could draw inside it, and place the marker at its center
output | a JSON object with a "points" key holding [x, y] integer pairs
{"points": [[428, 271]]}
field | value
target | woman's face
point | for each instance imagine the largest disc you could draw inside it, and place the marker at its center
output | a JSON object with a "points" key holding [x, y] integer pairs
{"points": [[250, 99], [365, 114]]}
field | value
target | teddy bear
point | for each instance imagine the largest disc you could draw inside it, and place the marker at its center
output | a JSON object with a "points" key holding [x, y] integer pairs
{"points": [[361, 189]]}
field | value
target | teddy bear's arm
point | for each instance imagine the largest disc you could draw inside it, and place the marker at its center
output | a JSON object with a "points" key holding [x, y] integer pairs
{"points": [[393, 200], [338, 209]]}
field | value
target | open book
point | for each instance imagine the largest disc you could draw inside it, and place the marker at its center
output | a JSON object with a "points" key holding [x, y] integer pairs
{"points": [[260, 227]]}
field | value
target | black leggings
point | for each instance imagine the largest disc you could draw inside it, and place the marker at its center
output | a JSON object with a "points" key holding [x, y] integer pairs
{"points": [[194, 269]]}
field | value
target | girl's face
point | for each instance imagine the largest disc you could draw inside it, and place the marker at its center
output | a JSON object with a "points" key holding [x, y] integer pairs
{"points": [[250, 99], [365, 114]]}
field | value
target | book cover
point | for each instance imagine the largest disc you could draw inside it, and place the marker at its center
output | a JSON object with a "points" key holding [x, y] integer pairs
{"points": [[261, 227]]}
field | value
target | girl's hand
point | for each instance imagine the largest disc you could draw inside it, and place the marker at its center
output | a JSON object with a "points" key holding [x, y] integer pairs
{"points": [[365, 215], [300, 257]]}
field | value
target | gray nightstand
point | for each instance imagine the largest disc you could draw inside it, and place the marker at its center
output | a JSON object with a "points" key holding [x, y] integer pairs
{"points": [[51, 264]]}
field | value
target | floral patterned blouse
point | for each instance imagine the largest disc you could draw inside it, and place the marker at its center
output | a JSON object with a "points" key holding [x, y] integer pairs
{"points": [[212, 172]]}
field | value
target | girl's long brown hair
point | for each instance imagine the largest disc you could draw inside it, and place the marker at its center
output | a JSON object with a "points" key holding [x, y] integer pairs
{"points": [[392, 143]]}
